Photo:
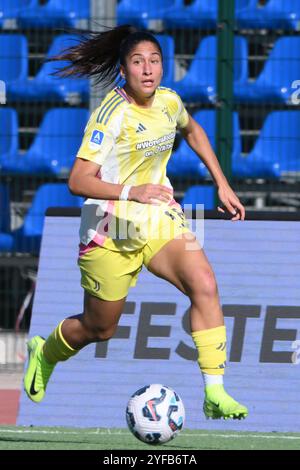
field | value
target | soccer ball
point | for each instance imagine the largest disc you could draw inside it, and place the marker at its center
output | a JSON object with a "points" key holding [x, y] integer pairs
{"points": [[155, 414]]}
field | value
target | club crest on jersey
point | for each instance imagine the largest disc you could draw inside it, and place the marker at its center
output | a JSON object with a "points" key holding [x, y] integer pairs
{"points": [[97, 137], [167, 114]]}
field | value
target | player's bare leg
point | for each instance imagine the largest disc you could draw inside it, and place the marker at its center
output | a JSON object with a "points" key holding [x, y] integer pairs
{"points": [[98, 322], [184, 264]]}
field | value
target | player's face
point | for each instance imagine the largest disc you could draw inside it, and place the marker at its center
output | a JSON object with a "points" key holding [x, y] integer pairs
{"points": [[143, 71]]}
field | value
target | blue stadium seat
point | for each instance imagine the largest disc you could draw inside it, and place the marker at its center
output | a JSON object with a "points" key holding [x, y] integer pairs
{"points": [[275, 14], [13, 59], [11, 9], [141, 12], [27, 238], [45, 87], [185, 163], [199, 195], [6, 238], [9, 145], [4, 208], [54, 147], [168, 50], [276, 151], [198, 14], [9, 137], [6, 242], [55, 13], [199, 83], [274, 84]]}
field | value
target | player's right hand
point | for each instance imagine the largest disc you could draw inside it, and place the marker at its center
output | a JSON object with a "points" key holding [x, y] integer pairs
{"points": [[150, 194]]}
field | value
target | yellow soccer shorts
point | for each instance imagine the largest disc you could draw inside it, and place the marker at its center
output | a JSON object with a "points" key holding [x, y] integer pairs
{"points": [[109, 274]]}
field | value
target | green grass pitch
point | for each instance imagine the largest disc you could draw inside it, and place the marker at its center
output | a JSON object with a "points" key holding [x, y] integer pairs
{"points": [[57, 438]]}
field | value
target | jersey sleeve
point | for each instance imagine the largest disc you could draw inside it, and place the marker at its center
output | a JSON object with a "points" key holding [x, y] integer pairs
{"points": [[182, 116], [98, 140]]}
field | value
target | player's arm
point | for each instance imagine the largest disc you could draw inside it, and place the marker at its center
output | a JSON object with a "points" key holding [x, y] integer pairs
{"points": [[197, 139], [84, 181]]}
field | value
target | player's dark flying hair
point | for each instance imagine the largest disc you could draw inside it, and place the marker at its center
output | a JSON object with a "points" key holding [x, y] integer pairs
{"points": [[100, 54]]}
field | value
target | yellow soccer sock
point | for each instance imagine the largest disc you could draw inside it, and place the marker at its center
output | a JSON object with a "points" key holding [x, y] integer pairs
{"points": [[56, 347], [211, 346]]}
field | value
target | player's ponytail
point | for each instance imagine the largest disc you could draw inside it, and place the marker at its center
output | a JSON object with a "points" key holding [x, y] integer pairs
{"points": [[99, 55]]}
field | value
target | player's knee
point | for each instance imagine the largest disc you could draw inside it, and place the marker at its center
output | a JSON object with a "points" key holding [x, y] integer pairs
{"points": [[99, 333], [104, 334], [201, 283], [209, 284]]}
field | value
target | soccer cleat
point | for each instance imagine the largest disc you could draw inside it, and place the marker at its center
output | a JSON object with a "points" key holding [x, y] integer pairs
{"points": [[218, 404], [38, 370]]}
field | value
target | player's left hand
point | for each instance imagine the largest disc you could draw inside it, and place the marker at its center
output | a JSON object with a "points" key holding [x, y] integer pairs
{"points": [[231, 202]]}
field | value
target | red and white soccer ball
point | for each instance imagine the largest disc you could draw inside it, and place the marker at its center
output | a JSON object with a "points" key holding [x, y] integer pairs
{"points": [[155, 414]]}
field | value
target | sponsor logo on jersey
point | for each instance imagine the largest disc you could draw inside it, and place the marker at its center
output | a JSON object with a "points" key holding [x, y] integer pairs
{"points": [[141, 128], [97, 137], [159, 145]]}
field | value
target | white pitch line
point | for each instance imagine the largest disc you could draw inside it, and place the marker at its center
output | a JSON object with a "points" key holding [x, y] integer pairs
{"points": [[124, 433]]}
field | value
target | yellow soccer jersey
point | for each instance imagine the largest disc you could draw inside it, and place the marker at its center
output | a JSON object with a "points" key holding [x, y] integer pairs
{"points": [[132, 145]]}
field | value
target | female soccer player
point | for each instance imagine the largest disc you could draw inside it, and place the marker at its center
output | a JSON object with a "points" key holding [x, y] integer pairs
{"points": [[130, 217]]}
